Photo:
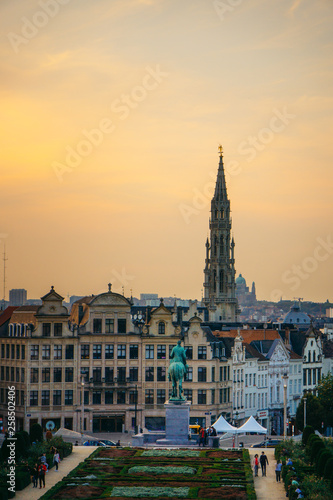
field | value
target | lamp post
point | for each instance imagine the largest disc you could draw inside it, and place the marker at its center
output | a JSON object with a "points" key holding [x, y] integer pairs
{"points": [[82, 408], [135, 409], [285, 408], [304, 413]]}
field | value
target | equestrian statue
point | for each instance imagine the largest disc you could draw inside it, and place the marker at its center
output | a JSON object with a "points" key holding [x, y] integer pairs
{"points": [[177, 371]]}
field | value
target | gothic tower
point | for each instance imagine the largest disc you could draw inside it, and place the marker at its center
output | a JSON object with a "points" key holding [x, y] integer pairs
{"points": [[219, 272]]}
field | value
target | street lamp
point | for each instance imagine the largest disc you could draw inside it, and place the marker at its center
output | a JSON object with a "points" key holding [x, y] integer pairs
{"points": [[82, 409], [285, 407], [304, 413], [135, 409]]}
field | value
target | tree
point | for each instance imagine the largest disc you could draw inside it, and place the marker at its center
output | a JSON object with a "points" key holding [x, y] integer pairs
{"points": [[314, 412], [36, 433], [325, 396]]}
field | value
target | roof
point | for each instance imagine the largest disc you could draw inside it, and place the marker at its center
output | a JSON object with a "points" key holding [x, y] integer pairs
{"points": [[6, 315], [251, 352], [25, 314], [296, 317], [293, 355], [250, 335]]}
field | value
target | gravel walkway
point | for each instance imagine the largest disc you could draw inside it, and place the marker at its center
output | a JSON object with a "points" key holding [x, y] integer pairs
{"points": [[266, 487]]}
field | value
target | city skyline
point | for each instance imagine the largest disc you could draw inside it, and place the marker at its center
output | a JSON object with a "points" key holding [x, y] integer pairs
{"points": [[112, 117]]}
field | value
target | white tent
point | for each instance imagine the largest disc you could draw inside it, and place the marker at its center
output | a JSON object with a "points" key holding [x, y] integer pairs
{"points": [[251, 425], [221, 425]]}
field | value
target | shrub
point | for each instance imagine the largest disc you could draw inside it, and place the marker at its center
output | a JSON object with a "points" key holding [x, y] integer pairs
{"points": [[322, 458], [315, 449], [328, 468], [308, 430], [26, 438], [36, 433], [22, 480]]}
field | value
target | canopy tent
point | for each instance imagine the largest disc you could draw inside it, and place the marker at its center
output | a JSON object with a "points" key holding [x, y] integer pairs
{"points": [[251, 425], [221, 425]]}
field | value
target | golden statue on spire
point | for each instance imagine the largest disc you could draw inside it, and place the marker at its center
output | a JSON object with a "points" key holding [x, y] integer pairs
{"points": [[220, 149]]}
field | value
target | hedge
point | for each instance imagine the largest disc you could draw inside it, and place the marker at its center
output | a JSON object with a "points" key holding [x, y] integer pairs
{"points": [[316, 447], [328, 468], [322, 458], [307, 432]]}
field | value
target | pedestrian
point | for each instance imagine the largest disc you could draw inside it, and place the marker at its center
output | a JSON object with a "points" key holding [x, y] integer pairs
{"points": [[202, 436], [256, 464], [41, 474], [278, 471], [34, 475], [56, 459], [214, 433], [263, 461]]}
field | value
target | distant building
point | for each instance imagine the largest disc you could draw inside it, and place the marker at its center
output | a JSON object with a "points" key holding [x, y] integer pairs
{"points": [[243, 294], [17, 297], [297, 317]]}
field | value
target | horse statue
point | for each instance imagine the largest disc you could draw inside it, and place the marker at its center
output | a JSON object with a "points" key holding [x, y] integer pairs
{"points": [[177, 371]]}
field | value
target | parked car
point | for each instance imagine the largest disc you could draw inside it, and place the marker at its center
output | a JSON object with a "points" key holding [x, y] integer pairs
{"points": [[93, 442], [107, 442], [269, 443]]}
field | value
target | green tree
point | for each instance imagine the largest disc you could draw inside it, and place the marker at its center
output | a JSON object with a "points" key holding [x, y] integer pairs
{"points": [[36, 433], [314, 412], [325, 396]]}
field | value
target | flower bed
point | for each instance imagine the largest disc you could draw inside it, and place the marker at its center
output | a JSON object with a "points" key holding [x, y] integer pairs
{"points": [[134, 473]]}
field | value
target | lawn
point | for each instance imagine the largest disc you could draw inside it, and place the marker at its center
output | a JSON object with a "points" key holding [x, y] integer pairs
{"points": [[159, 473]]}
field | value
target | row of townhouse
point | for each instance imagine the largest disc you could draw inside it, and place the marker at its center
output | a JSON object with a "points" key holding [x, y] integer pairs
{"points": [[97, 363]]}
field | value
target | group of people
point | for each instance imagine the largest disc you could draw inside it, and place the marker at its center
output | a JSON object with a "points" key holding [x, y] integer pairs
{"points": [[40, 469], [260, 461], [205, 433]]}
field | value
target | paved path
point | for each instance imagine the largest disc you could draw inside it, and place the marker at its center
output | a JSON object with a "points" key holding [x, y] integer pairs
{"points": [[266, 487], [52, 477]]}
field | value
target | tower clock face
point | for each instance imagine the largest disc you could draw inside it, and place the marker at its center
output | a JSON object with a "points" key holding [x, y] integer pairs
{"points": [[145, 329]]}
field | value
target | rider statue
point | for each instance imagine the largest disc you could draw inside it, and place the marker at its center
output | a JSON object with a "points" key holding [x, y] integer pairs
{"points": [[177, 371]]}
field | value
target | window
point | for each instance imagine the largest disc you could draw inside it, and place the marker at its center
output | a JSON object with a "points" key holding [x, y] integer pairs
{"points": [[109, 351], [86, 397], [33, 398], [121, 397], [34, 352], [69, 397], [58, 329], [213, 396], [149, 352], [202, 352], [160, 396], [46, 352], [22, 398], [34, 376], [97, 351], [246, 380], [161, 328], [22, 374], [161, 374], [57, 352], [108, 374], [254, 379], [97, 325], [134, 351], [97, 397], [171, 346], [109, 325], [17, 352], [23, 354], [85, 351], [202, 377], [7, 373], [2, 350], [69, 351], [201, 397], [121, 374], [250, 379], [213, 373], [150, 374], [189, 375], [57, 398], [133, 374], [69, 374], [189, 352], [46, 398], [161, 352], [45, 375], [13, 351], [17, 375], [12, 374], [2, 376], [46, 330], [85, 374], [132, 397], [108, 397], [188, 394], [57, 374], [149, 396], [97, 374], [121, 325], [121, 351]]}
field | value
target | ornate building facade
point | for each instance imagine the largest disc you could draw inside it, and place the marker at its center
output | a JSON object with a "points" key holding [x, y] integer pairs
{"points": [[219, 273]]}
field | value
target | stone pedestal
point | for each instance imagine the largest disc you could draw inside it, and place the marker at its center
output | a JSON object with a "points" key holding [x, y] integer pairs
{"points": [[177, 421]]}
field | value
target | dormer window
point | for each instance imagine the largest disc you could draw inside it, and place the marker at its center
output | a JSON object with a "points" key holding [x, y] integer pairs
{"points": [[161, 328]]}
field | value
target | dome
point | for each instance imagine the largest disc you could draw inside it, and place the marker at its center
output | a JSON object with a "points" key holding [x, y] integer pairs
{"points": [[240, 280], [296, 317]]}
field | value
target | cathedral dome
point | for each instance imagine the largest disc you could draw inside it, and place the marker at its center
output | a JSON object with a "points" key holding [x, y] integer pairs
{"points": [[240, 280], [296, 317]]}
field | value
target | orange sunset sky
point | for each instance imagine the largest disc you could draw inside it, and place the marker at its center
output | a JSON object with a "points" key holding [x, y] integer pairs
{"points": [[112, 113]]}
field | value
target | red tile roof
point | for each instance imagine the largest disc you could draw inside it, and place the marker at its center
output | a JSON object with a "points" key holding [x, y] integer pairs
{"points": [[7, 314]]}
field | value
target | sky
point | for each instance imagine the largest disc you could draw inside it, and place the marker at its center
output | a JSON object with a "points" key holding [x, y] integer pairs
{"points": [[112, 114]]}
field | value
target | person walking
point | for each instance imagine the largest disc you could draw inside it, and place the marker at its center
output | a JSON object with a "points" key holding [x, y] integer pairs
{"points": [[34, 474], [202, 436], [256, 465], [56, 459], [263, 461], [41, 474], [278, 468]]}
